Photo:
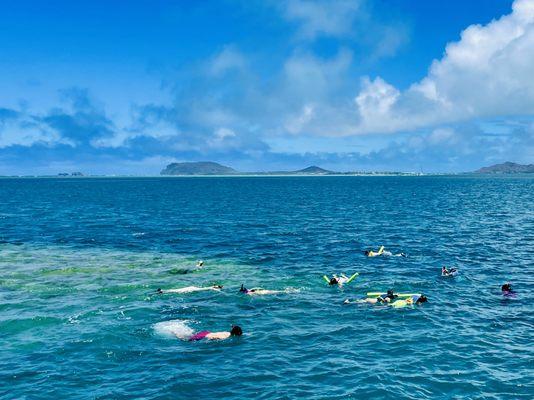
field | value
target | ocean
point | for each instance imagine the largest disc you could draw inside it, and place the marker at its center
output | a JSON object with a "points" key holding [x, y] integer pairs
{"points": [[81, 259]]}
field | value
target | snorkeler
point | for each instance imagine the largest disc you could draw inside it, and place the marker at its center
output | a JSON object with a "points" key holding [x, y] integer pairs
{"points": [[380, 299], [190, 289], [371, 253], [235, 331], [507, 290], [340, 280], [410, 301], [257, 291], [382, 252], [388, 297], [448, 272]]}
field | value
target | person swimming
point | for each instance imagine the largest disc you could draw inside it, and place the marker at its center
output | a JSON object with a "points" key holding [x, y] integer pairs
{"points": [[410, 301], [507, 290], [448, 272], [382, 252], [420, 299], [340, 280], [371, 253], [257, 291], [388, 297], [235, 331], [189, 289], [200, 264]]}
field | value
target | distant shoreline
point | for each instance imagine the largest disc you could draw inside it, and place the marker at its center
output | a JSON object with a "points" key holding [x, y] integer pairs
{"points": [[414, 175], [244, 175]]}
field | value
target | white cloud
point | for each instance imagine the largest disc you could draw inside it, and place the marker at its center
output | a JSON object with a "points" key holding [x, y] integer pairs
{"points": [[487, 73], [222, 138], [441, 136], [375, 100], [228, 59], [328, 18], [295, 123], [222, 133], [312, 78], [355, 21]]}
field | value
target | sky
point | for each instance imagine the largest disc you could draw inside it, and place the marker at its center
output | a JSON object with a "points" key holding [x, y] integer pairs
{"points": [[126, 87]]}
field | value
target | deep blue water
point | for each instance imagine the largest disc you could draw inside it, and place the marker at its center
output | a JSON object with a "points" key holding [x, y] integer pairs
{"points": [[80, 260]]}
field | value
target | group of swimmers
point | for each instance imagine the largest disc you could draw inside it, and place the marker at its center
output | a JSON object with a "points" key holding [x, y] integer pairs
{"points": [[242, 290], [396, 300], [506, 289], [207, 335]]}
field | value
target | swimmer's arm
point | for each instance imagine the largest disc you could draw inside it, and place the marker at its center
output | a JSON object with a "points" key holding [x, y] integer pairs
{"points": [[381, 250], [218, 335]]}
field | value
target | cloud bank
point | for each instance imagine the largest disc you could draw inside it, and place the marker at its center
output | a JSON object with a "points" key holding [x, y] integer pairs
{"points": [[487, 73], [474, 106]]}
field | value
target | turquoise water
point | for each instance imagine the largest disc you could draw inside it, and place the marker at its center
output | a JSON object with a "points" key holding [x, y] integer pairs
{"points": [[80, 260]]}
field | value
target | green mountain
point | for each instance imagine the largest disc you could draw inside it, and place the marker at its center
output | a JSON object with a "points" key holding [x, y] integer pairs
{"points": [[313, 170], [507, 168], [198, 168]]}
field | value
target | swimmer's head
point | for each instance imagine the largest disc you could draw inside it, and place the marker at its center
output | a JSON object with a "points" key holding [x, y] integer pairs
{"points": [[243, 289], [506, 287], [200, 263], [218, 286], [236, 331], [390, 293], [366, 252], [421, 299], [333, 281], [159, 291]]}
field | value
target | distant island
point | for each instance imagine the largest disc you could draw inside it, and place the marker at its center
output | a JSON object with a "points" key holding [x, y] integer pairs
{"points": [[213, 168], [198, 168], [507, 168]]}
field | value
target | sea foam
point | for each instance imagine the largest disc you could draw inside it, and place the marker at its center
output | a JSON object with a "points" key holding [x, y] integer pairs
{"points": [[173, 329]]}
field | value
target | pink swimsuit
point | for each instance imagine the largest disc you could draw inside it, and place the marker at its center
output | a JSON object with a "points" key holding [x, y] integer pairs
{"points": [[199, 335]]}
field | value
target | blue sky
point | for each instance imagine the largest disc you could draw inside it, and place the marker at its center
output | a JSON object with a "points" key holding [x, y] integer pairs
{"points": [[126, 87]]}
